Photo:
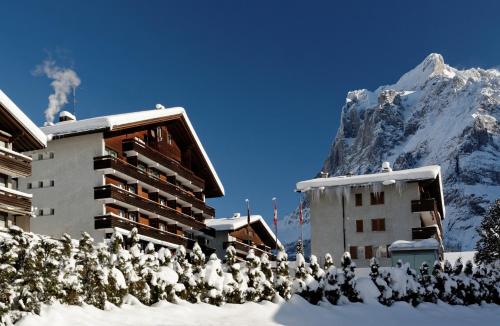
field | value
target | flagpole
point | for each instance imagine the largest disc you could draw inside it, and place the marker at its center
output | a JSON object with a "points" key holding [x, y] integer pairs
{"points": [[275, 212], [301, 223], [248, 221]]}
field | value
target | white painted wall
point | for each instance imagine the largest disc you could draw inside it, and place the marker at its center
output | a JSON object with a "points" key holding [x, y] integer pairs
{"points": [[72, 196], [326, 221]]}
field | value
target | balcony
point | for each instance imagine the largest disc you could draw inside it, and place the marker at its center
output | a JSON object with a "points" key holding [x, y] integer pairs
{"points": [[109, 162], [14, 202], [131, 199], [426, 232], [14, 164], [112, 221], [423, 205], [135, 145], [243, 248]]}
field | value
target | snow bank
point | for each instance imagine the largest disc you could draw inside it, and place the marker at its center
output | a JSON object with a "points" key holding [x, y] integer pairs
{"points": [[295, 312]]}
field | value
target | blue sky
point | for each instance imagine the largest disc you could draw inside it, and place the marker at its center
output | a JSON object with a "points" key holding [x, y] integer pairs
{"points": [[263, 81]]}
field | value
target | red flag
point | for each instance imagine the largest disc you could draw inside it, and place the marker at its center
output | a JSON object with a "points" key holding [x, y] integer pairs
{"points": [[300, 213], [275, 213]]}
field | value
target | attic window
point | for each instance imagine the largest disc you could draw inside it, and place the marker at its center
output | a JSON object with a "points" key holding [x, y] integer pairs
{"points": [[169, 138]]}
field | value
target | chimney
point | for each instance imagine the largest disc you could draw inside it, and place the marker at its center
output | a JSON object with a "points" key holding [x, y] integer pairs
{"points": [[324, 174], [236, 215], [66, 116], [386, 167]]}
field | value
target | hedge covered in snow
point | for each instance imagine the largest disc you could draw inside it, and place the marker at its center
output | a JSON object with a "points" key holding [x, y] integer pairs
{"points": [[36, 270]]}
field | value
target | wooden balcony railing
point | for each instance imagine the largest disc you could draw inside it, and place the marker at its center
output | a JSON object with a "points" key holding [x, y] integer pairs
{"points": [[14, 164], [113, 192], [112, 221], [110, 162], [423, 205], [14, 203], [167, 162], [244, 248], [424, 233]]}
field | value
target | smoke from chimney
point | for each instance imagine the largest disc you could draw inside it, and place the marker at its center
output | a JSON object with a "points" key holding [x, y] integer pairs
{"points": [[64, 81]]}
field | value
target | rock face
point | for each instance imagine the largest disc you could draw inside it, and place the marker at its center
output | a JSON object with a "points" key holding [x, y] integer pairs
{"points": [[434, 114]]}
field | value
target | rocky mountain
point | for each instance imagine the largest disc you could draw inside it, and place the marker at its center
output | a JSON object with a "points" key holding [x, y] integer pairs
{"points": [[434, 114]]}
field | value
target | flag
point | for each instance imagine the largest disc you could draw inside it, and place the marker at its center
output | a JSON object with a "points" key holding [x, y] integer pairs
{"points": [[248, 212], [300, 213], [275, 213]]}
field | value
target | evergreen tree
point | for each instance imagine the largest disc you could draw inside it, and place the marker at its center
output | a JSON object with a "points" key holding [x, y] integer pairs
{"points": [[183, 268], [196, 287], [427, 282], [235, 285], [268, 292], [91, 275], [331, 285], [328, 262], [440, 280], [213, 280], [71, 286], [138, 286], [488, 245], [315, 288], [255, 277], [282, 281], [385, 296], [348, 287], [413, 289], [304, 284]]}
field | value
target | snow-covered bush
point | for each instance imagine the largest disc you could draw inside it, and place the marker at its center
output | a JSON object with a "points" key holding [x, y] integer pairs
{"points": [[213, 282], [234, 282], [268, 291], [304, 284], [381, 281], [348, 283], [331, 285], [255, 277], [282, 282], [328, 261]]}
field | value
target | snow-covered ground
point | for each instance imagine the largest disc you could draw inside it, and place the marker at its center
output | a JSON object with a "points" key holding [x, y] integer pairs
{"points": [[295, 312]]}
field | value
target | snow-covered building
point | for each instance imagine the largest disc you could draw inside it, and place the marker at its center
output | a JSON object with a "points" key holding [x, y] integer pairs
{"points": [[145, 169], [365, 214], [17, 134], [237, 232]]}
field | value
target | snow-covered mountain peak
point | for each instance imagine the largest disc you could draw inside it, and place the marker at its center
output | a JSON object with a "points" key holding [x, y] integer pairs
{"points": [[434, 114]]}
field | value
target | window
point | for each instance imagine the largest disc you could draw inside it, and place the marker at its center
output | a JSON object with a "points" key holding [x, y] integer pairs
{"points": [[29, 186], [353, 250], [52, 211], [52, 183], [132, 188], [40, 212], [161, 226], [121, 212], [377, 198], [359, 199], [14, 183], [141, 166], [132, 216], [163, 201], [3, 180], [51, 155], [3, 220], [40, 156], [155, 173], [169, 138], [40, 184], [110, 152], [378, 224], [359, 225], [158, 134], [368, 252], [4, 145]]}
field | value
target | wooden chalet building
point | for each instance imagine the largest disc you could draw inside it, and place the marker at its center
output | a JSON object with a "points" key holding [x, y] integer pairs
{"points": [[17, 134], [145, 169], [234, 231]]}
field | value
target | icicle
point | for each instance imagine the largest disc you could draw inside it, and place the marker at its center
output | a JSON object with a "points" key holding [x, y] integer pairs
{"points": [[376, 188], [347, 193], [400, 186], [338, 192]]}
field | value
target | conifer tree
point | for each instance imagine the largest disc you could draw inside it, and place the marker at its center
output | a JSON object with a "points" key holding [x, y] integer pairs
{"points": [[385, 296], [138, 286], [196, 285], [255, 277], [268, 292], [213, 280], [315, 288], [234, 290], [328, 262], [348, 287], [488, 245], [282, 281], [71, 287], [183, 268], [331, 285], [91, 275], [427, 282]]}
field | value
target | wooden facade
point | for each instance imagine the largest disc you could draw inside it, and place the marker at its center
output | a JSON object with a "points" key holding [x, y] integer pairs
{"points": [[155, 178]]}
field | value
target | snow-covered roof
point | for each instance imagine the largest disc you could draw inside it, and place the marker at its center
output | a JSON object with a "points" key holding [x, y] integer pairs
{"points": [[111, 122], [422, 173], [234, 223], [430, 244], [19, 115]]}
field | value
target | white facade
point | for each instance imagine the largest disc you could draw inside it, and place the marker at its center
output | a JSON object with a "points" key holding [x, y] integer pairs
{"points": [[340, 223], [62, 184]]}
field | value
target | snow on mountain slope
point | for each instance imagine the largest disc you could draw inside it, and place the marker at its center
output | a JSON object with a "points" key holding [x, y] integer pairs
{"points": [[434, 114]]}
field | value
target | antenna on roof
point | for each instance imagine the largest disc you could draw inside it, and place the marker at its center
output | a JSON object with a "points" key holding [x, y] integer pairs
{"points": [[74, 100]]}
